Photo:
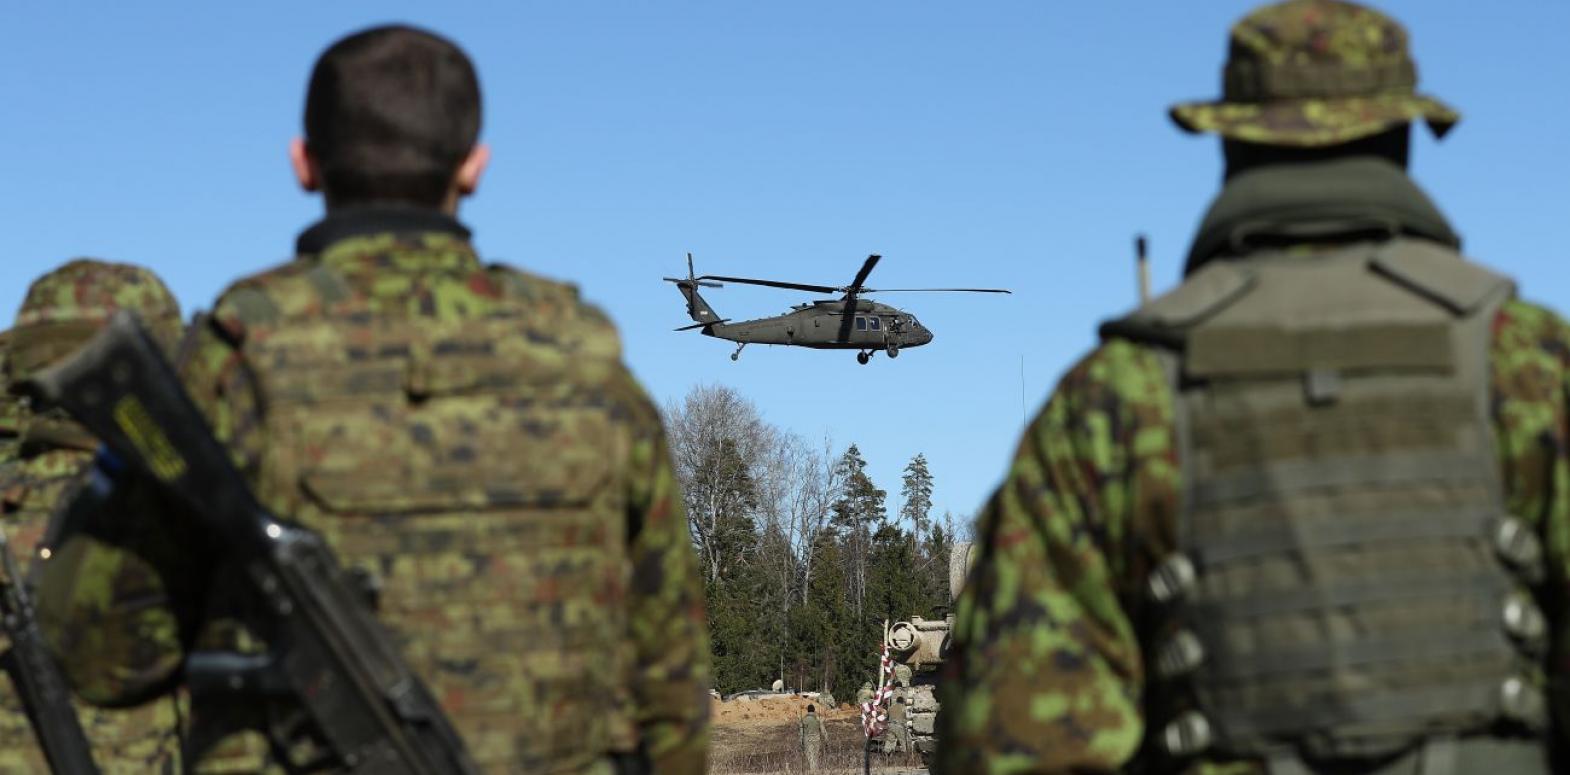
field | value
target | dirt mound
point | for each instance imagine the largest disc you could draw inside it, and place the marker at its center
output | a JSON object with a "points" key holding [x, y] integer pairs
{"points": [[770, 710]]}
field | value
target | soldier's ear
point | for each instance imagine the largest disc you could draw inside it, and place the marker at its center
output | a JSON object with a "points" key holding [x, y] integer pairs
{"points": [[473, 166], [306, 170]]}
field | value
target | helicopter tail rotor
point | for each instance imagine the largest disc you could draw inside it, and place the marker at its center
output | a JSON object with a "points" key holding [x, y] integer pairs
{"points": [[697, 308], [693, 279]]}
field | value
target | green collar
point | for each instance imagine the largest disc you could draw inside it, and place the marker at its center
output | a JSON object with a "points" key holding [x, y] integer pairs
{"points": [[1329, 201]]}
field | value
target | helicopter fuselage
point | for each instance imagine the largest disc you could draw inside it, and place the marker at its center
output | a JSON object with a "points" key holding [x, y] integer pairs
{"points": [[850, 322], [856, 324]]}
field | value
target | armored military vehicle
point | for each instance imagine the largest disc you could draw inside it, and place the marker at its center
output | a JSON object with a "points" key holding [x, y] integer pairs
{"points": [[918, 647]]}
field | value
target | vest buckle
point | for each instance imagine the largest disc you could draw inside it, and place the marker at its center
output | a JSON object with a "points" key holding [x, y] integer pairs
{"points": [[1188, 734], [1172, 579], [1518, 546]]}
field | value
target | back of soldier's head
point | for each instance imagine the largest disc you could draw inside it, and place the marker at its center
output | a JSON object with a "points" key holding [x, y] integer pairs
{"points": [[390, 114], [64, 308]]}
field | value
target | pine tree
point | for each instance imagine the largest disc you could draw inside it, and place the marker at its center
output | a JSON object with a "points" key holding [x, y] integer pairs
{"points": [[856, 513], [894, 587], [916, 495], [936, 545], [742, 638], [823, 627]]}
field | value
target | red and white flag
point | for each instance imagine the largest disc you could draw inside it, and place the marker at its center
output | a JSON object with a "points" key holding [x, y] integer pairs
{"points": [[874, 712]]}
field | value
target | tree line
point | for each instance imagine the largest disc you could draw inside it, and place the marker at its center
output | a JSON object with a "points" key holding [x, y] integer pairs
{"points": [[801, 559]]}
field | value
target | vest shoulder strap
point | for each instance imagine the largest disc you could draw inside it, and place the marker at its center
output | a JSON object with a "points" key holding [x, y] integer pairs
{"points": [[1273, 290], [1432, 270], [1167, 318]]}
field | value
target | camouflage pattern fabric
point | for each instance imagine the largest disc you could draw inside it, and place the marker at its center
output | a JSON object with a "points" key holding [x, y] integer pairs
{"points": [[813, 738], [468, 438], [897, 738], [10, 411], [1046, 672], [1312, 73], [61, 310], [902, 675]]}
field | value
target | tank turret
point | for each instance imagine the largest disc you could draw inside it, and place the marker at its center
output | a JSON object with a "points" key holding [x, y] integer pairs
{"points": [[918, 647]]}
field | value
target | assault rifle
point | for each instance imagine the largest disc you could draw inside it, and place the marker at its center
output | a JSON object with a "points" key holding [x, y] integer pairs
{"points": [[328, 656], [37, 679]]}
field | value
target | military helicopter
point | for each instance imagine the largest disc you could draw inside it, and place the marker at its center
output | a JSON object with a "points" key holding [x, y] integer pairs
{"points": [[846, 323]]}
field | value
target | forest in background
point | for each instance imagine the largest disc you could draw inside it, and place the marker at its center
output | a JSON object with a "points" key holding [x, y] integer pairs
{"points": [[802, 559]]}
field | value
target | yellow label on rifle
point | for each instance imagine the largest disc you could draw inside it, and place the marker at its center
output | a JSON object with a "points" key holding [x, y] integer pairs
{"points": [[150, 441]]}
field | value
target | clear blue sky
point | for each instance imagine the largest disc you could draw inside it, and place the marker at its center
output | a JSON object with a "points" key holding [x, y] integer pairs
{"points": [[1016, 144]]}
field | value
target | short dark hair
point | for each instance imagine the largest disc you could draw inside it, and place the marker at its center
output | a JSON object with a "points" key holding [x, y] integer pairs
{"points": [[810, 708], [390, 114]]}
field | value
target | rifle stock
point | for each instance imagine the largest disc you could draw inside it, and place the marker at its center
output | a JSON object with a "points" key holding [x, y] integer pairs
{"points": [[327, 651]]}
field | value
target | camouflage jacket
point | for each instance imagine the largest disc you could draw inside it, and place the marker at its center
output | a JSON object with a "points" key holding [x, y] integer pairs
{"points": [[483, 600], [812, 730], [42, 458], [141, 740], [1046, 674]]}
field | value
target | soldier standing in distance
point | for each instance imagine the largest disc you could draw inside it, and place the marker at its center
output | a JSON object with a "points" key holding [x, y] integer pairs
{"points": [[45, 455], [463, 435], [1291, 516], [897, 738], [813, 737]]}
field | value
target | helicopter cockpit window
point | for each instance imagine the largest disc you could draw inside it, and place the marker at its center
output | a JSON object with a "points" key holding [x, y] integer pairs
{"points": [[874, 323], [861, 323]]}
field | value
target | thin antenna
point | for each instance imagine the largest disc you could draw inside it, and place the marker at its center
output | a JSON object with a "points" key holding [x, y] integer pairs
{"points": [[1142, 260]]}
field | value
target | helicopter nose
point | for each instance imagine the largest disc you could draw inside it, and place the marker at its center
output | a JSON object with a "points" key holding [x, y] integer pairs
{"points": [[926, 335]]}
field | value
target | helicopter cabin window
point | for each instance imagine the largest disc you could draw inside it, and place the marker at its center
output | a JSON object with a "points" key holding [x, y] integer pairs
{"points": [[861, 323], [874, 323]]}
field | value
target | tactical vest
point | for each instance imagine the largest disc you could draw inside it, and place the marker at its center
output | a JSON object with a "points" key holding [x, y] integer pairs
{"points": [[1347, 584], [471, 466]]}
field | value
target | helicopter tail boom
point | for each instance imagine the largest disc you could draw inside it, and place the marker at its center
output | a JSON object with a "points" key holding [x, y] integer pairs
{"points": [[697, 309]]}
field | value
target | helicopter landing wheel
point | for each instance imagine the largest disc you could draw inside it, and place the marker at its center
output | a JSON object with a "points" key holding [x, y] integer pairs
{"points": [[863, 357], [893, 350], [736, 356]]}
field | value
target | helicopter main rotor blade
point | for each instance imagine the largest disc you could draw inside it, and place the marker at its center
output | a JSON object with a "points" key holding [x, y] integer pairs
{"points": [[861, 276], [935, 290], [699, 282], [774, 284]]}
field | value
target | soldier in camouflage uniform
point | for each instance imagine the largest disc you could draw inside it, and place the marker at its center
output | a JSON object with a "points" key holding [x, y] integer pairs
{"points": [[902, 675], [464, 435], [43, 458], [897, 738], [813, 738], [1305, 513]]}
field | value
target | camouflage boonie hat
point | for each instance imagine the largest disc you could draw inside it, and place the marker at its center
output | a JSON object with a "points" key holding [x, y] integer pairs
{"points": [[1312, 73], [65, 307]]}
